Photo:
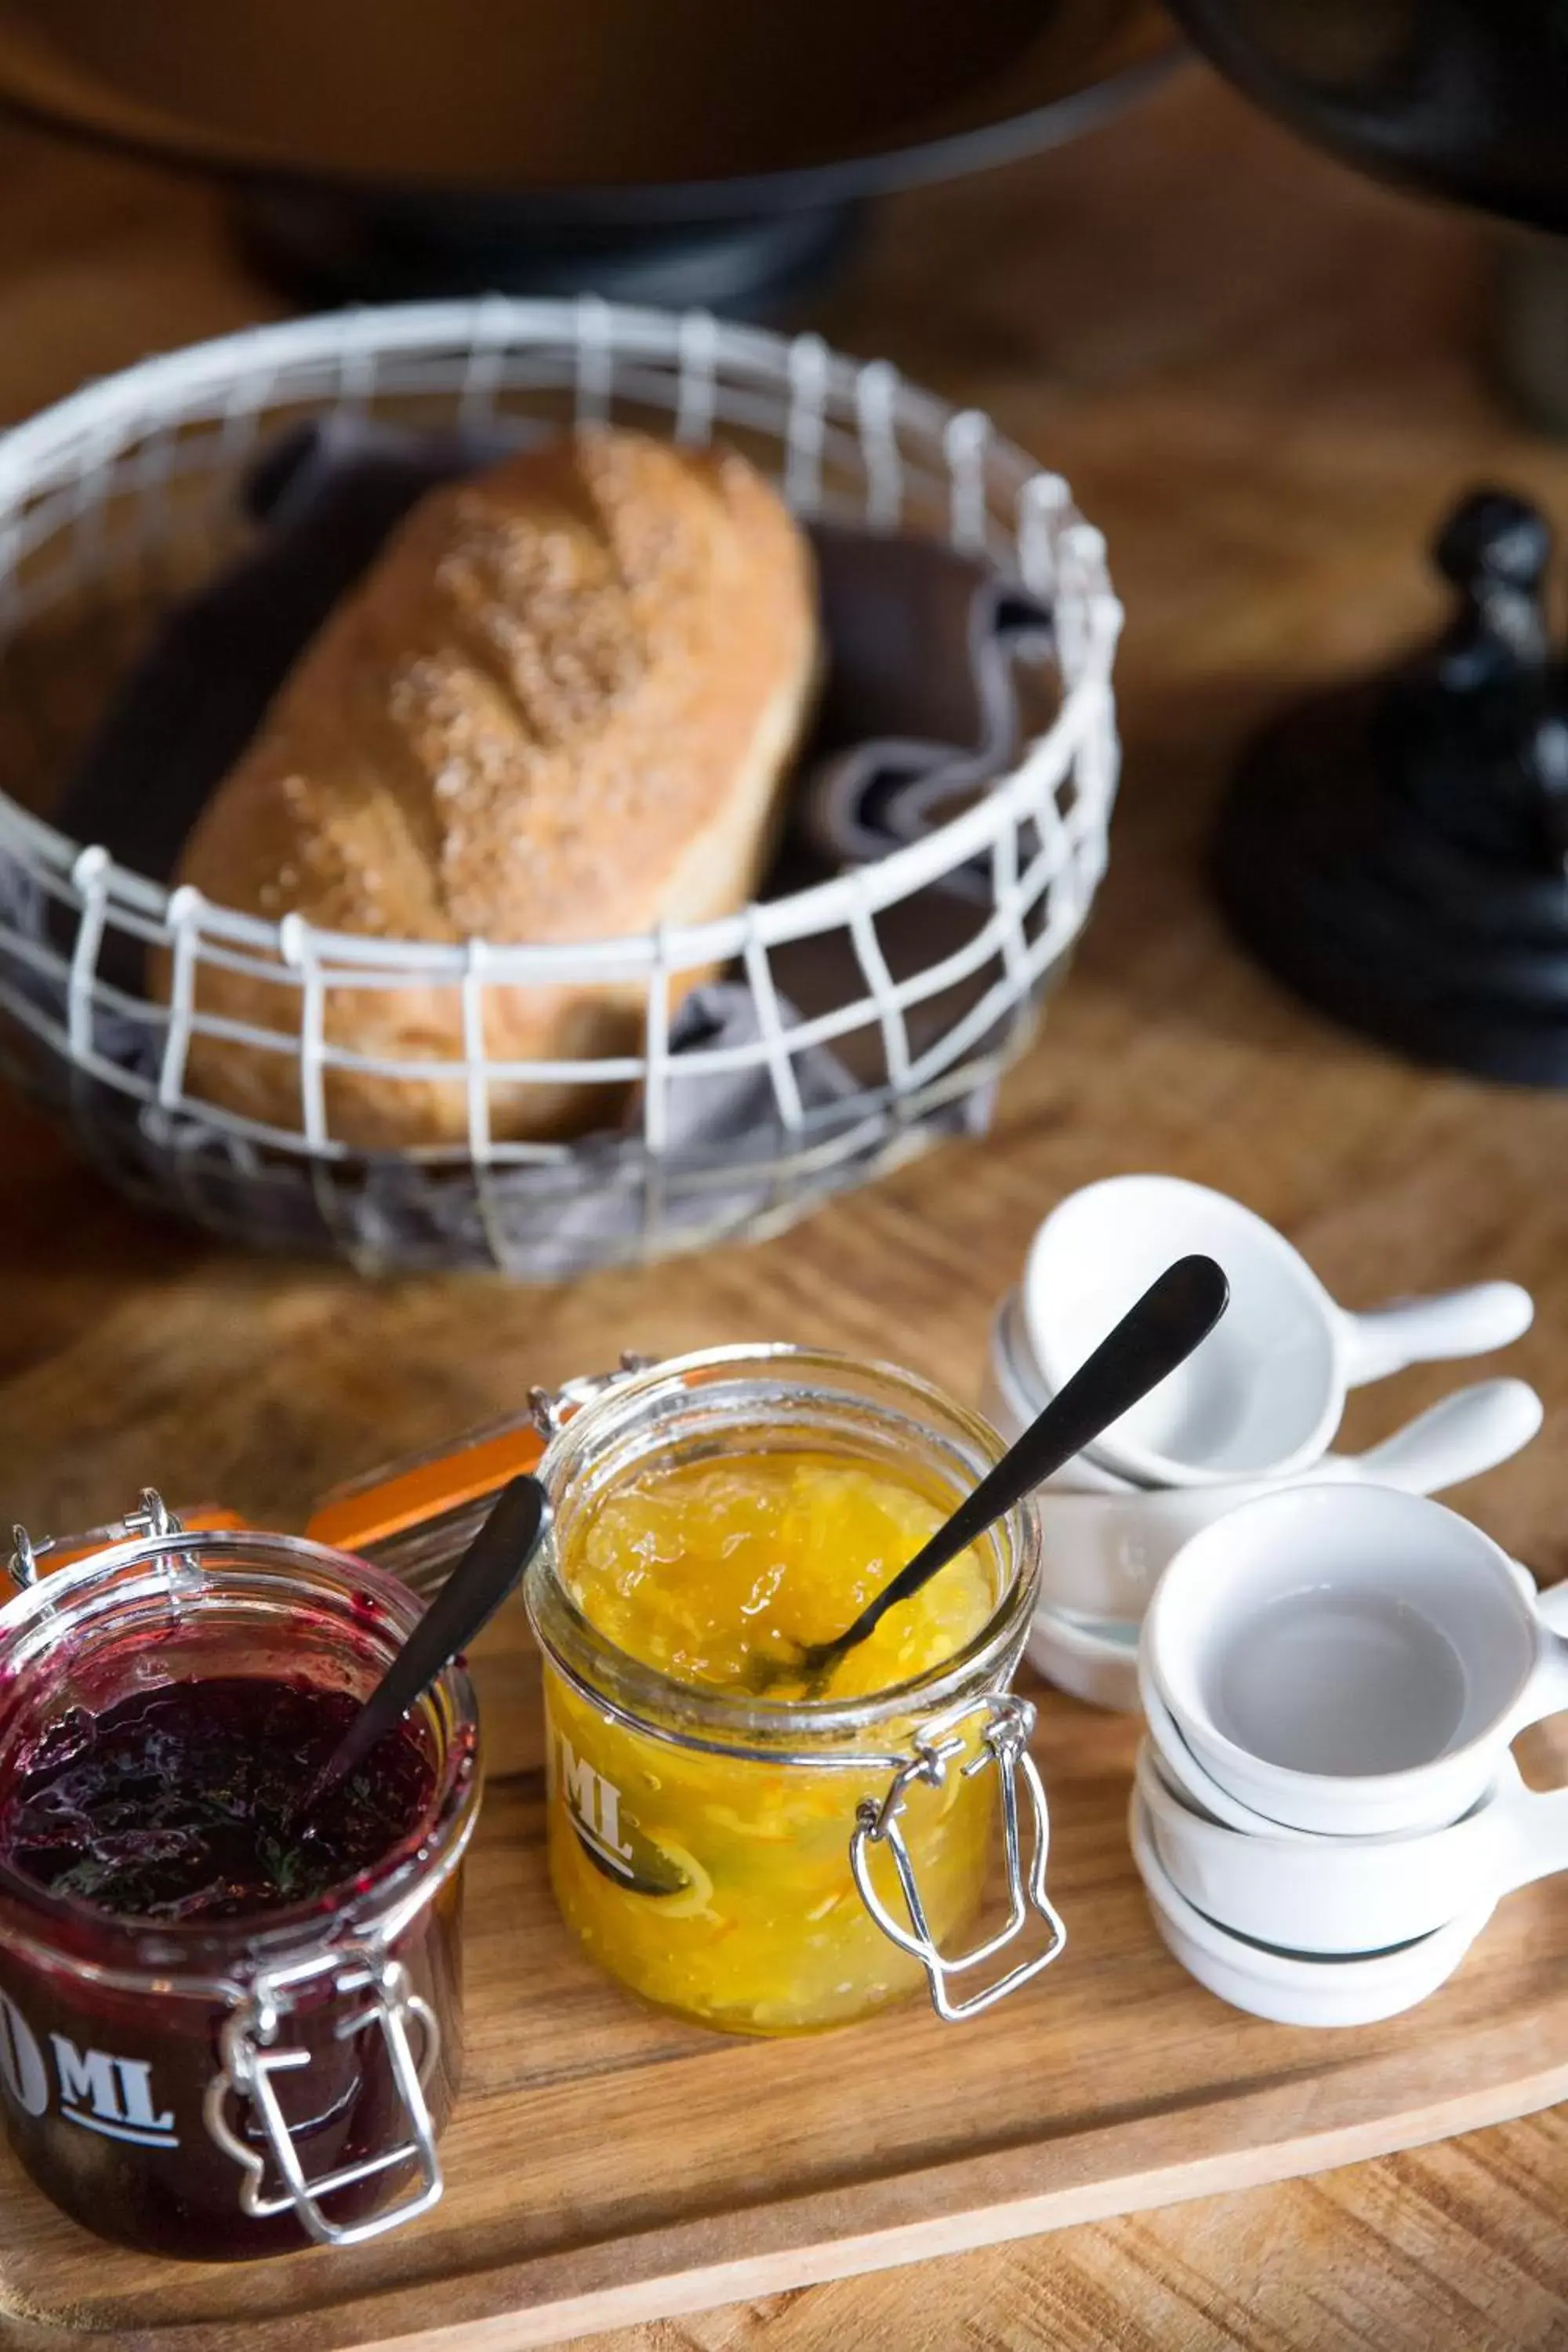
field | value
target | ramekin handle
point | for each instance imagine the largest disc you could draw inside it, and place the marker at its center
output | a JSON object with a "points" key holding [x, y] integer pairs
{"points": [[1467, 1322]]}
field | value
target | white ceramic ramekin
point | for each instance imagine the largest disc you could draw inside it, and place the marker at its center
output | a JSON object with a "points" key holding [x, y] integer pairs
{"points": [[1340, 1894], [1289, 1988], [1351, 1660]]}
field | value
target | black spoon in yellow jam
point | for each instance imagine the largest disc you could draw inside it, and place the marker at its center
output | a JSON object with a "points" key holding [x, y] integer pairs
{"points": [[1177, 1311]]}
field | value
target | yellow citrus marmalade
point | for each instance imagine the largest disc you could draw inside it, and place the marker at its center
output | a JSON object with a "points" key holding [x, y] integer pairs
{"points": [[719, 1886]]}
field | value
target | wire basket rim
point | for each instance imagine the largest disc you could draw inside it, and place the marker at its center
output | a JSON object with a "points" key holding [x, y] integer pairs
{"points": [[128, 398]]}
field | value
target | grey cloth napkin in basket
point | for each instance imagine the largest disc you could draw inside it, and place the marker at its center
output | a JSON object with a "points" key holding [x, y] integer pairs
{"points": [[920, 710]]}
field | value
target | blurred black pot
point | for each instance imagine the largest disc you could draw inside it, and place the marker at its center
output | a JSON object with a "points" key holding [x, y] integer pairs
{"points": [[1397, 849], [1464, 98]]}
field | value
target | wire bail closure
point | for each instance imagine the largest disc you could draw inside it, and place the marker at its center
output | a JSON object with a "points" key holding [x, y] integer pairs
{"points": [[550, 1408], [1008, 1722], [151, 1518], [251, 2056]]}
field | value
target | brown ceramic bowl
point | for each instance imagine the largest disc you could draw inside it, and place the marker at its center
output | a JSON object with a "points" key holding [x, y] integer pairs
{"points": [[605, 108]]}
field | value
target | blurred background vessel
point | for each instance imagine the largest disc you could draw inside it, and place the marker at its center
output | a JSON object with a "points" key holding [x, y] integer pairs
{"points": [[689, 152]]}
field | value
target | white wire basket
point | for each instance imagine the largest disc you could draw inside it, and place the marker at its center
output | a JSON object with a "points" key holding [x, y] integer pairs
{"points": [[119, 501]]}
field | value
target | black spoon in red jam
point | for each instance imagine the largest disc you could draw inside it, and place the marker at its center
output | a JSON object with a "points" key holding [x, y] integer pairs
{"points": [[469, 1598], [184, 1801]]}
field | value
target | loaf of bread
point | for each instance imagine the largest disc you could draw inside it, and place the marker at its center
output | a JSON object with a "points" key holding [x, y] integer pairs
{"points": [[560, 707]]}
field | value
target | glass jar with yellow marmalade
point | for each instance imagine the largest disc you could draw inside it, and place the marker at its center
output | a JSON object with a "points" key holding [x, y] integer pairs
{"points": [[782, 1863]]}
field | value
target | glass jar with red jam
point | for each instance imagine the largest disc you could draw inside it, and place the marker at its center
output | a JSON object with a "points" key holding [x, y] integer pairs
{"points": [[229, 2019]]}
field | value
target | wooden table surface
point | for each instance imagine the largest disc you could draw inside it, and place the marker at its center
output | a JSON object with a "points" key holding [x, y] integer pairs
{"points": [[1265, 378]]}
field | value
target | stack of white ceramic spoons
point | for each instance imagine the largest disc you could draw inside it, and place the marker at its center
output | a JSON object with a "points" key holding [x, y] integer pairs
{"points": [[1255, 1409]]}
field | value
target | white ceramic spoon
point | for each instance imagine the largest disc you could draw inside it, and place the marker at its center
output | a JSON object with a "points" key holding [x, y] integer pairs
{"points": [[1103, 1554], [1263, 1396]]}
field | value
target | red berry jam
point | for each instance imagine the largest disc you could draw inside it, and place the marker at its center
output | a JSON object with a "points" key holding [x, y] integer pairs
{"points": [[182, 1802], [157, 1867]]}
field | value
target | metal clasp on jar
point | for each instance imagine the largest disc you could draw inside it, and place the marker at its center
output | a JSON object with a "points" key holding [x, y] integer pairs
{"points": [[152, 1517], [1004, 1743], [550, 1408], [252, 2055]]}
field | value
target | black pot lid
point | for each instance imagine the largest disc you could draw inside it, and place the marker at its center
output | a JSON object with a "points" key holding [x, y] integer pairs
{"points": [[608, 109]]}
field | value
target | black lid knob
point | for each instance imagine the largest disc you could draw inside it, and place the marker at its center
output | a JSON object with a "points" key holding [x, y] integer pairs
{"points": [[1496, 549], [1493, 537]]}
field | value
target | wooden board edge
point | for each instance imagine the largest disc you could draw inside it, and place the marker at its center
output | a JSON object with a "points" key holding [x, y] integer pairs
{"points": [[759, 2250], [750, 2277]]}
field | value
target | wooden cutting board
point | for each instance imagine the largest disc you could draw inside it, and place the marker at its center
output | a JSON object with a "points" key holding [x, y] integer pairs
{"points": [[607, 2165]]}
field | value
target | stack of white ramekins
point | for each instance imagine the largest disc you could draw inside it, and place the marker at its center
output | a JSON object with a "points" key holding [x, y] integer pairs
{"points": [[1340, 1878], [1326, 1809]]}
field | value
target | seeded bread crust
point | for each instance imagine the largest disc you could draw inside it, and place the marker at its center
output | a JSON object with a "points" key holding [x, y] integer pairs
{"points": [[560, 707]]}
